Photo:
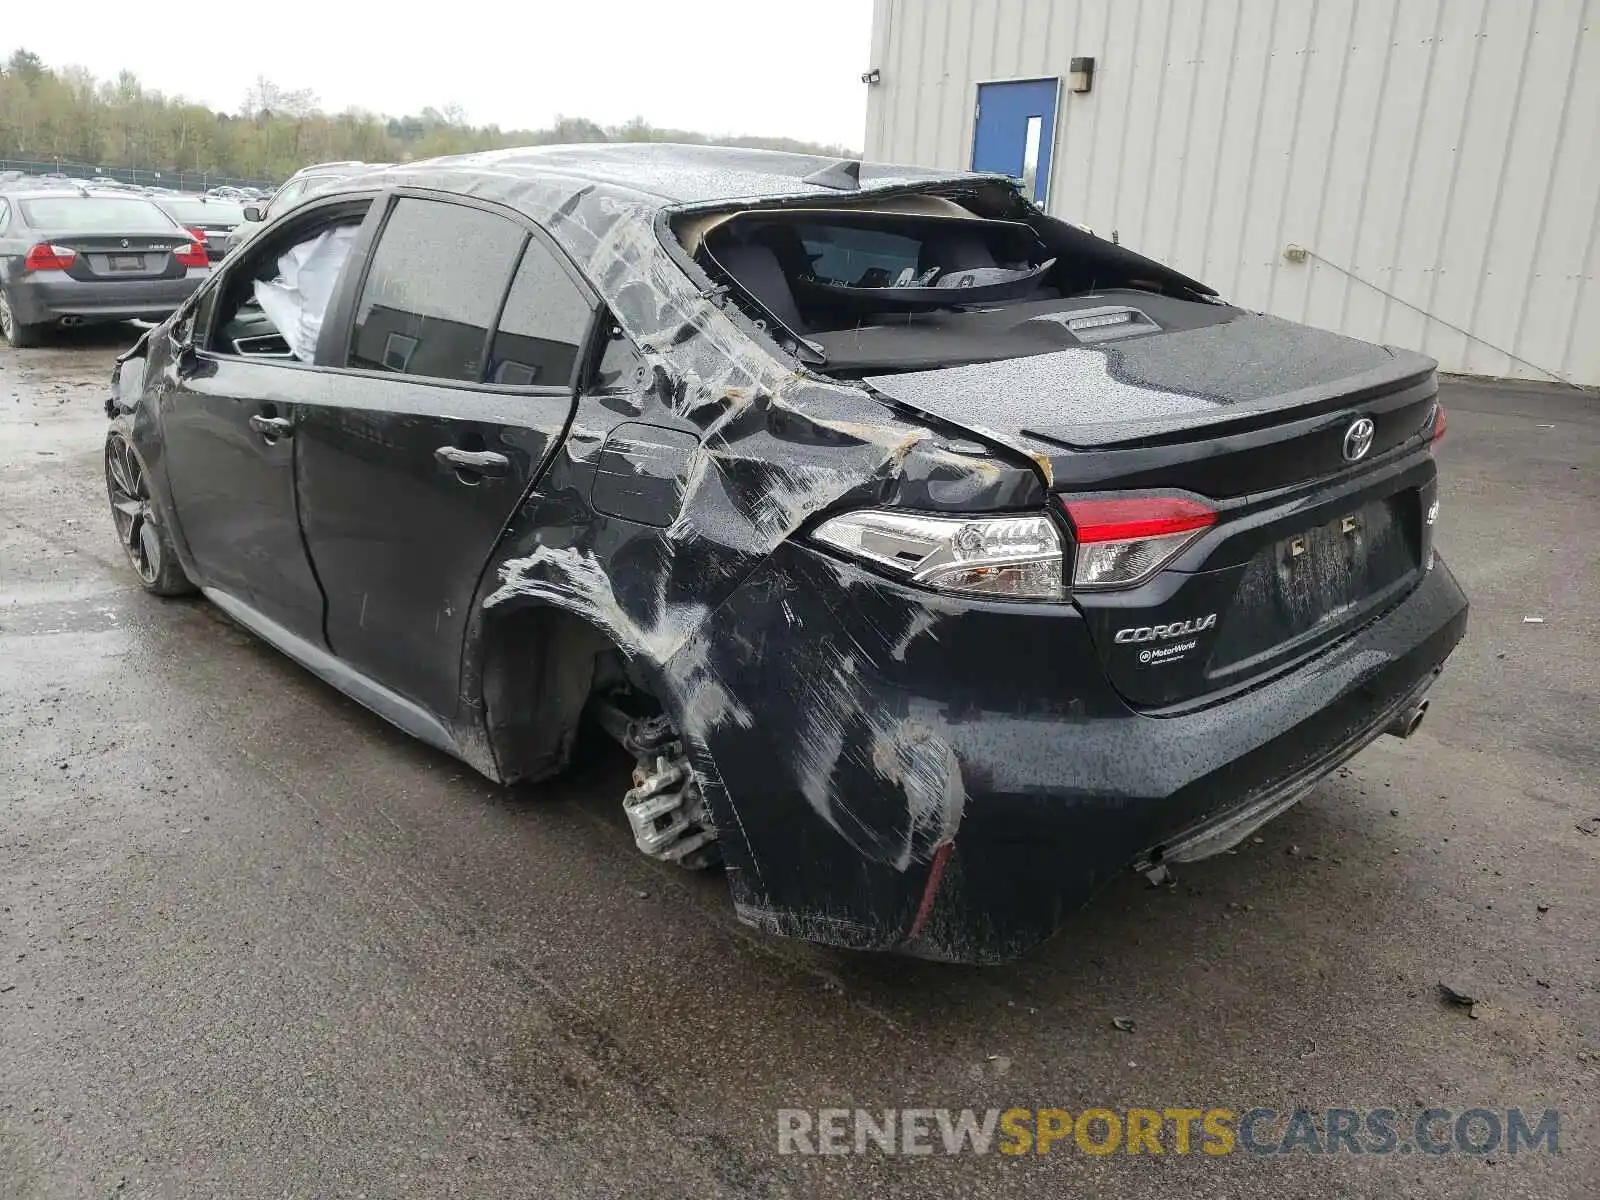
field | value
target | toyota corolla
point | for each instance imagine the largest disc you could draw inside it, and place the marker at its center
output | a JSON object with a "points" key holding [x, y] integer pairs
{"points": [[934, 559]]}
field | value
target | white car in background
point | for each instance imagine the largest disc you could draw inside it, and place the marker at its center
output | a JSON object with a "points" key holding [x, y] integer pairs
{"points": [[299, 185]]}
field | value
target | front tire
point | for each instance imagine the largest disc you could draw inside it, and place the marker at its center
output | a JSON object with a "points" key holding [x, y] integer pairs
{"points": [[16, 334], [144, 538]]}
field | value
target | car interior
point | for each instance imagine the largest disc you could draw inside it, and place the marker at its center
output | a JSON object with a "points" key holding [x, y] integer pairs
{"points": [[273, 302], [920, 281]]}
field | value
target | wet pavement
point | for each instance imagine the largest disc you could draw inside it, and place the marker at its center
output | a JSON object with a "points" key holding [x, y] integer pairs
{"points": [[254, 942]]}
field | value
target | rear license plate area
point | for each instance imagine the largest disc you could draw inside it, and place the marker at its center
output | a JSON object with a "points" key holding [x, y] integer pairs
{"points": [[1316, 566], [1321, 577], [122, 263]]}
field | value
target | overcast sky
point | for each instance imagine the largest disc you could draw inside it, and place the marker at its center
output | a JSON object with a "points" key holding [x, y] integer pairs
{"points": [[722, 66]]}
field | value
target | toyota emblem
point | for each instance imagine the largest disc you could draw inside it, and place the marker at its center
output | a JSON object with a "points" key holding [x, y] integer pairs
{"points": [[1358, 439]]}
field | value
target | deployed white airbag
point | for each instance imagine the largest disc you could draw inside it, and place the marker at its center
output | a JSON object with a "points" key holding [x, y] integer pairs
{"points": [[297, 299]]}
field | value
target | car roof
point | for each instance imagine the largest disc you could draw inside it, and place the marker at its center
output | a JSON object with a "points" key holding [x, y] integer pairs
{"points": [[600, 202], [334, 168], [40, 185], [58, 193], [661, 174]]}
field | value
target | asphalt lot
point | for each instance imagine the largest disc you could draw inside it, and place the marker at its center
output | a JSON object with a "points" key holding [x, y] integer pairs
{"points": [[254, 942]]}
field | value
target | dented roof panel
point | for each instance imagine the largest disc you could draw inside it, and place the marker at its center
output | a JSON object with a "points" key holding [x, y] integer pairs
{"points": [[673, 174]]}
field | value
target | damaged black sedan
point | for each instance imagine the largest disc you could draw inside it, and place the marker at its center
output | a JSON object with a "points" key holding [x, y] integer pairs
{"points": [[935, 559]]}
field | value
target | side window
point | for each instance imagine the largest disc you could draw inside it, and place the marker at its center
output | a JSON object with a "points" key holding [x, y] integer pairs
{"points": [[542, 325], [5, 216], [271, 297], [285, 196], [430, 296]]}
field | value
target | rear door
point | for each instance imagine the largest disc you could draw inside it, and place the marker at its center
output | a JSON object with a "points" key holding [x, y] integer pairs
{"points": [[455, 357]]}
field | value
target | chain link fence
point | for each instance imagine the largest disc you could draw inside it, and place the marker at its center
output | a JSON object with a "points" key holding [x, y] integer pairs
{"points": [[183, 181]]}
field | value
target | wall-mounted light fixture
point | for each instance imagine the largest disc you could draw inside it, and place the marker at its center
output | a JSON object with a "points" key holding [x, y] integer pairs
{"points": [[871, 77], [1082, 77]]}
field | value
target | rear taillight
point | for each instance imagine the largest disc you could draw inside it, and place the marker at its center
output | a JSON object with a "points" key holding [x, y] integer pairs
{"points": [[194, 254], [1437, 424], [1123, 540], [45, 257], [1001, 555]]}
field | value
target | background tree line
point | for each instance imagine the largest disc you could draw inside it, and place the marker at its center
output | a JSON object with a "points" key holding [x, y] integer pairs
{"points": [[69, 114]]}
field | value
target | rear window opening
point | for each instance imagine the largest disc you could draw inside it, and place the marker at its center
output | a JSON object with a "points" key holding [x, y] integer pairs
{"points": [[96, 214], [920, 281]]}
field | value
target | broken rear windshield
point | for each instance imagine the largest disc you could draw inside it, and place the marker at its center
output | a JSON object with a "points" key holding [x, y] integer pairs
{"points": [[828, 276], [921, 280], [96, 214], [838, 265]]}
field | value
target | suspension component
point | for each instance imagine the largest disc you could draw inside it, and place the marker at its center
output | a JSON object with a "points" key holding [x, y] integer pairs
{"points": [[665, 805]]}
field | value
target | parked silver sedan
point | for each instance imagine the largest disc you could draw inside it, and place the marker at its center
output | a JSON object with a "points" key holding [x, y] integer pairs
{"points": [[73, 256]]}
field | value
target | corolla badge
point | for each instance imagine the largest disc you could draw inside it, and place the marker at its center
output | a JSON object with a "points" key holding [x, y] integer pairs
{"points": [[1160, 633], [1358, 439]]}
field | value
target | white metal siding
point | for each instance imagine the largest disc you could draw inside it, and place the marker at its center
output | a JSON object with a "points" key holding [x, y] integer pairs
{"points": [[1433, 155]]}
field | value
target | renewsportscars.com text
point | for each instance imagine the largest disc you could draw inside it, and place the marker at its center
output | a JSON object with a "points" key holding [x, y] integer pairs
{"points": [[1212, 1131]]}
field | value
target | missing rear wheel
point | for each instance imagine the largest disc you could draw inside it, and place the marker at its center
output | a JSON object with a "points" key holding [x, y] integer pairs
{"points": [[665, 805]]}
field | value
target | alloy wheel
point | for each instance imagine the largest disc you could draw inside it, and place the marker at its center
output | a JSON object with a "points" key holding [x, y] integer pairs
{"points": [[131, 510]]}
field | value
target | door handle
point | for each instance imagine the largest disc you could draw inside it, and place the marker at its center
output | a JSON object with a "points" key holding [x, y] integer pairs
{"points": [[272, 428], [473, 462]]}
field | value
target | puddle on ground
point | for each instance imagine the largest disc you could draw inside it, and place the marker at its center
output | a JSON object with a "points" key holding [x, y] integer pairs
{"points": [[52, 400]]}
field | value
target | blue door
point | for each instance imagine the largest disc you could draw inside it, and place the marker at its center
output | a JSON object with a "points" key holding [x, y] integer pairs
{"points": [[1015, 129]]}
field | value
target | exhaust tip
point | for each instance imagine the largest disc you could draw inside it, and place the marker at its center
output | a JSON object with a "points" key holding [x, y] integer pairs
{"points": [[1408, 722]]}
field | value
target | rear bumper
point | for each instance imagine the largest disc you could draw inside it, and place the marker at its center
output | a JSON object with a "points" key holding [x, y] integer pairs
{"points": [[50, 295], [1224, 825], [884, 725]]}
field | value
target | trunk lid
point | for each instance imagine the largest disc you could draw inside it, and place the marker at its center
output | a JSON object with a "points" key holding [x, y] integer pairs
{"points": [[108, 258], [1254, 415], [1243, 374]]}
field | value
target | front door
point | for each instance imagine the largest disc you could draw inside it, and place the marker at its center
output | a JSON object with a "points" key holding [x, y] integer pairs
{"points": [[454, 379], [229, 426], [230, 413], [1015, 131]]}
